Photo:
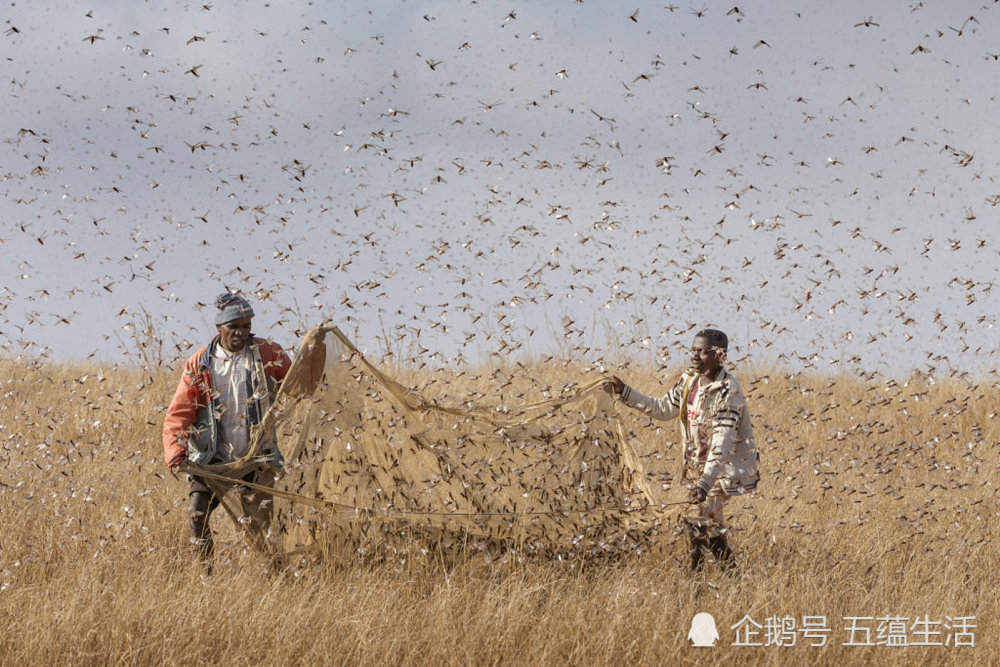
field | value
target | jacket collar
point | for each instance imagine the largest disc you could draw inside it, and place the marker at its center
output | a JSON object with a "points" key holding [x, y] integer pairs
{"points": [[720, 377], [716, 382]]}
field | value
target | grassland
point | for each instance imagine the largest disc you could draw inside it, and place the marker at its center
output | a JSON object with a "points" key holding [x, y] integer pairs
{"points": [[877, 500]]}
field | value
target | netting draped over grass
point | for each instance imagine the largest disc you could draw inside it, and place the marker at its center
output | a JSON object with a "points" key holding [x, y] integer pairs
{"points": [[372, 465]]}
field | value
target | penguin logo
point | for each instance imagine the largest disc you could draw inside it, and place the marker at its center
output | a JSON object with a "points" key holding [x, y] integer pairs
{"points": [[703, 632]]}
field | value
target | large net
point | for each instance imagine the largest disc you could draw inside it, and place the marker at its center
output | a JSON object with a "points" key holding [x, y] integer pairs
{"points": [[374, 467]]}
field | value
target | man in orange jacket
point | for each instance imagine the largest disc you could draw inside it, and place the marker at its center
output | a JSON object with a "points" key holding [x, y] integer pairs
{"points": [[225, 390]]}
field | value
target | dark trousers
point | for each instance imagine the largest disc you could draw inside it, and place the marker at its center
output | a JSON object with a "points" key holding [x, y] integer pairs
{"points": [[256, 508]]}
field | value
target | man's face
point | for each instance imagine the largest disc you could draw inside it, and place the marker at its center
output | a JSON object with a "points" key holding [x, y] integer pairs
{"points": [[706, 359], [234, 334]]}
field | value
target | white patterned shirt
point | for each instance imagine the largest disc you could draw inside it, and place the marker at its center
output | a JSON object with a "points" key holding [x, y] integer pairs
{"points": [[231, 381]]}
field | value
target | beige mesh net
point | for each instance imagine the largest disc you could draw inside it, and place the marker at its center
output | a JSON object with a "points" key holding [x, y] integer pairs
{"points": [[372, 467]]}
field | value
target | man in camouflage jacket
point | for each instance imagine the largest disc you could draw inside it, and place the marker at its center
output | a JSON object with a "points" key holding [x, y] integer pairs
{"points": [[720, 457]]}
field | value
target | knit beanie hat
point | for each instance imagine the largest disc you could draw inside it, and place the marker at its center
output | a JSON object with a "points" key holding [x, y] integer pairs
{"points": [[231, 307]]}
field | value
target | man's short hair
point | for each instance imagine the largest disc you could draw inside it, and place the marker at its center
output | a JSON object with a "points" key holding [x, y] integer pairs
{"points": [[714, 337]]}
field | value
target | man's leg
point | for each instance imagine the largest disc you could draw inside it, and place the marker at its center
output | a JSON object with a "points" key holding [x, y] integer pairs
{"points": [[707, 531], [257, 507], [699, 541], [717, 542], [695, 522], [201, 502], [721, 550]]}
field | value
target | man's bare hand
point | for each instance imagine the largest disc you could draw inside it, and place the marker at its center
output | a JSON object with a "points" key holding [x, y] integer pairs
{"points": [[697, 495], [614, 386], [175, 463]]}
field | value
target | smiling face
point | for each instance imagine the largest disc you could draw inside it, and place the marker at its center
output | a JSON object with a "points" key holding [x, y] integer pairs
{"points": [[234, 334], [706, 358]]}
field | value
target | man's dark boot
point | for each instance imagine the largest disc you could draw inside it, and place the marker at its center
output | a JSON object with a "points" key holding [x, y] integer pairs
{"points": [[699, 547], [720, 549]]}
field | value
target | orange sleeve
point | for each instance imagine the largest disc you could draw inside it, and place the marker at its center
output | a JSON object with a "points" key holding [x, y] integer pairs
{"points": [[276, 361], [182, 411]]}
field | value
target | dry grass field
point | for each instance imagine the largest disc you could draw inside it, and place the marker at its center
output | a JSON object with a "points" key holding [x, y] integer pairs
{"points": [[875, 504]]}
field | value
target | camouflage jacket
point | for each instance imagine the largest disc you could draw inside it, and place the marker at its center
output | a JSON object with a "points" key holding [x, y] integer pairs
{"points": [[732, 460]]}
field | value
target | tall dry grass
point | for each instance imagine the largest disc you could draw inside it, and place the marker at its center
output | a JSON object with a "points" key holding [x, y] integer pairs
{"points": [[877, 499]]}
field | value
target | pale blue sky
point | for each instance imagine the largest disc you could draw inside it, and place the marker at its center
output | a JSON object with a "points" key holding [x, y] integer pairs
{"points": [[485, 173]]}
